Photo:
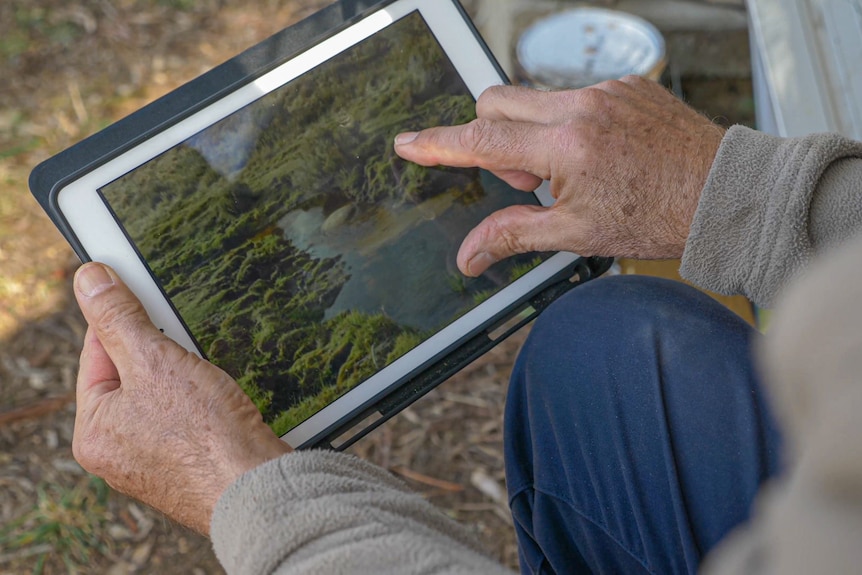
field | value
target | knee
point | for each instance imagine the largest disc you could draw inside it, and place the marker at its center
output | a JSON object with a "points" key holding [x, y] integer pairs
{"points": [[612, 329], [603, 313]]}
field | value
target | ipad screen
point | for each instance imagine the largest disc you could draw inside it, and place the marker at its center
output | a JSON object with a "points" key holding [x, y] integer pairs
{"points": [[301, 253]]}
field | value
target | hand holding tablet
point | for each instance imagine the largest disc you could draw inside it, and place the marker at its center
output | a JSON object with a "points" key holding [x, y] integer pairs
{"points": [[263, 219], [139, 385]]}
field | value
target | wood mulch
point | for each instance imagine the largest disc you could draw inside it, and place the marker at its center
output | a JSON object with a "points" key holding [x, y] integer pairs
{"points": [[72, 67]]}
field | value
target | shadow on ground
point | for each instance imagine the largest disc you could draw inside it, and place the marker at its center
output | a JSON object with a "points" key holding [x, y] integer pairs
{"points": [[70, 68]]}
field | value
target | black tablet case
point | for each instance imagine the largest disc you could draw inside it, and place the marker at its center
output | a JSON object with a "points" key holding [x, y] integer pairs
{"points": [[48, 178]]}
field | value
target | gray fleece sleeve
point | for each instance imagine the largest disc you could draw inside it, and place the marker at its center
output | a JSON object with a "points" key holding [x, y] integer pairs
{"points": [[768, 206], [325, 512], [809, 519]]}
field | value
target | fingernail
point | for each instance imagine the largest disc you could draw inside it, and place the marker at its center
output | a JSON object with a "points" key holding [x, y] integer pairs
{"points": [[93, 279], [405, 138], [481, 261]]}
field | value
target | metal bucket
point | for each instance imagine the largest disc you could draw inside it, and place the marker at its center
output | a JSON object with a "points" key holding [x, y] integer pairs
{"points": [[584, 46]]}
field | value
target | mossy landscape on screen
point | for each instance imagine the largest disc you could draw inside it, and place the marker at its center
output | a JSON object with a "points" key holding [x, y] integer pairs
{"points": [[258, 228]]}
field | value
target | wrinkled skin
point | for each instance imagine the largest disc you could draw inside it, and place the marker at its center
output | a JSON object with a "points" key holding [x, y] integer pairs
{"points": [[155, 421], [626, 161]]}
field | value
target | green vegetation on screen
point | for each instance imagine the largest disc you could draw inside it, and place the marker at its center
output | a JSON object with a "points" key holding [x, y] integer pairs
{"points": [[216, 220]]}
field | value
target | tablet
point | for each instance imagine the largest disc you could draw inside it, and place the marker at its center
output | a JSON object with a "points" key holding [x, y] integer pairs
{"points": [[265, 222]]}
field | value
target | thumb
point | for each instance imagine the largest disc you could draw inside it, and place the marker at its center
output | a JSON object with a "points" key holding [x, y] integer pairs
{"points": [[114, 314], [97, 374], [514, 230]]}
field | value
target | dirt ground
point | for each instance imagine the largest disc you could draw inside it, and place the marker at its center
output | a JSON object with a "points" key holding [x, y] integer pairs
{"points": [[70, 67]]}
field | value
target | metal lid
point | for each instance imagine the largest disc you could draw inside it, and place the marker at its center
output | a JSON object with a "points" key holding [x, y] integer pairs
{"points": [[584, 46]]}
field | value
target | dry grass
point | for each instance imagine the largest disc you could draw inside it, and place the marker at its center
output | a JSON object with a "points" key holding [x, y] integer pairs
{"points": [[74, 67], [65, 523], [71, 67]]}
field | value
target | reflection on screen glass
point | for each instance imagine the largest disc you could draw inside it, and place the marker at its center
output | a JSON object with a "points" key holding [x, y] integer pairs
{"points": [[302, 254]]}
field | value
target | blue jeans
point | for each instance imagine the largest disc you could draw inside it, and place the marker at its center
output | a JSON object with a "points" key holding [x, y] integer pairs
{"points": [[637, 432]]}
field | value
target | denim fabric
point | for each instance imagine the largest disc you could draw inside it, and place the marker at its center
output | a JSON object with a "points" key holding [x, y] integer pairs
{"points": [[637, 432]]}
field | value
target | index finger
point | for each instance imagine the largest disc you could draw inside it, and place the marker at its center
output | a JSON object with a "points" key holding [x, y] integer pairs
{"points": [[498, 146], [519, 104]]}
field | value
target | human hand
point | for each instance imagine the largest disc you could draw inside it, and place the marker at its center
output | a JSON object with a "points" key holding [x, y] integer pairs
{"points": [[155, 421], [626, 162]]}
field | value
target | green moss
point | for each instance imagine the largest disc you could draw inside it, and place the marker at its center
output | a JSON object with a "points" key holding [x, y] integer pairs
{"points": [[261, 399], [405, 342], [290, 418], [354, 349], [520, 269], [483, 295], [254, 301], [457, 283]]}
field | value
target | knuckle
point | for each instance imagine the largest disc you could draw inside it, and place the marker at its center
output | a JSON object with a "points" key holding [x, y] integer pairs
{"points": [[640, 84], [632, 80], [478, 136], [499, 229], [489, 98], [592, 98], [121, 317], [612, 85], [123, 321]]}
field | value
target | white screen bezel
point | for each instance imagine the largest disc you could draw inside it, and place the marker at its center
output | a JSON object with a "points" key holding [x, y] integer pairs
{"points": [[103, 240]]}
